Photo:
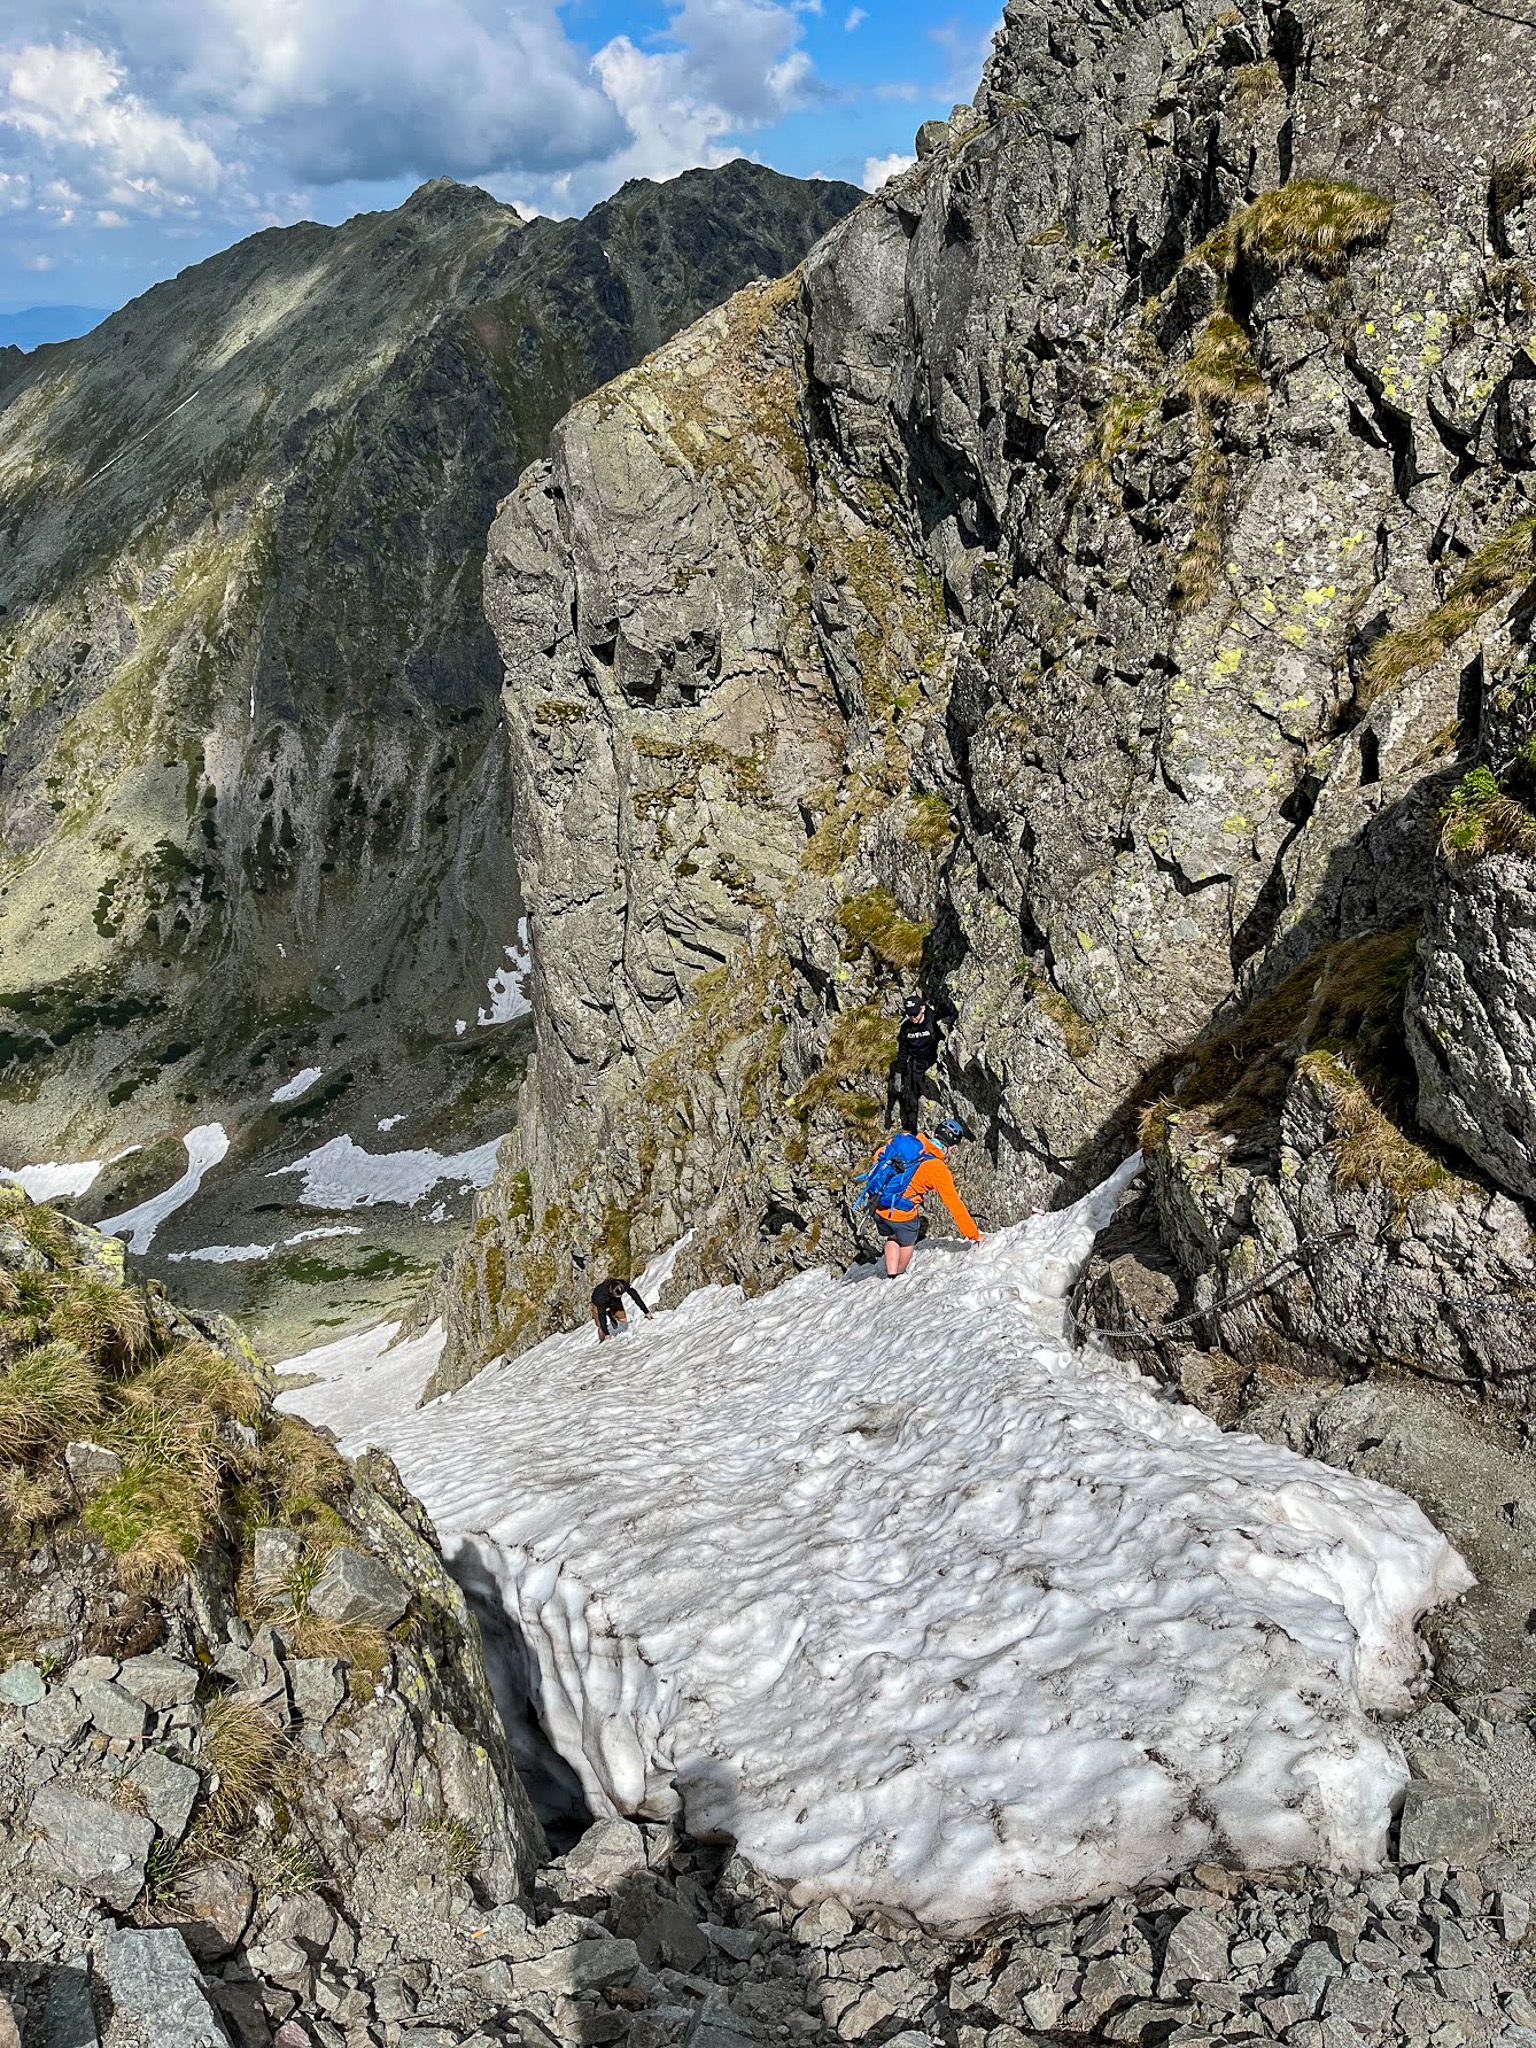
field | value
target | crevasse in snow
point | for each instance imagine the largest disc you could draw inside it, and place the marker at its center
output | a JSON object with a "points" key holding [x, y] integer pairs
{"points": [[924, 1608]]}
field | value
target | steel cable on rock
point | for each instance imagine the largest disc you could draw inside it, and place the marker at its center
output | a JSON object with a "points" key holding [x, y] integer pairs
{"points": [[1153, 1334], [1508, 1297]]}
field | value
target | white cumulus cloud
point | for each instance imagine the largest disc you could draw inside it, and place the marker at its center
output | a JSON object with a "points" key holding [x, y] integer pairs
{"points": [[857, 16], [879, 169], [238, 109], [70, 119]]}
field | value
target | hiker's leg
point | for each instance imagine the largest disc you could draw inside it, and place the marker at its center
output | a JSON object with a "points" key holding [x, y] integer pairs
{"points": [[903, 1258], [892, 1258]]}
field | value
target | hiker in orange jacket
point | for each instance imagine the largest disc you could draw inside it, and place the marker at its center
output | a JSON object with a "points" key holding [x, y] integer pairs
{"points": [[901, 1220]]}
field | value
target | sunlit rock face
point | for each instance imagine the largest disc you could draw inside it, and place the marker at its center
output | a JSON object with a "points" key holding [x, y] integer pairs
{"points": [[1080, 590]]}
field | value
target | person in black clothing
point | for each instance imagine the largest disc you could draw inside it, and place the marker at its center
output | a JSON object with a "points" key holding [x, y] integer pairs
{"points": [[917, 1047], [608, 1307]]}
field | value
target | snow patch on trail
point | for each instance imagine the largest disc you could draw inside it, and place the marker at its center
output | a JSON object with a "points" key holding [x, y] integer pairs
{"points": [[924, 1608], [660, 1269], [205, 1146], [342, 1175]]}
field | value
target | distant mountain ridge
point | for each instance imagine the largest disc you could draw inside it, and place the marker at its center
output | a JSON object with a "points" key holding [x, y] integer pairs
{"points": [[253, 790], [36, 326]]}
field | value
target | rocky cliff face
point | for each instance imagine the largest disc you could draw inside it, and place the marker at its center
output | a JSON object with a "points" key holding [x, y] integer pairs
{"points": [[253, 791], [1091, 586]]}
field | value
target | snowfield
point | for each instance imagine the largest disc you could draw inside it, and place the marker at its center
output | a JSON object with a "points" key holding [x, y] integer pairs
{"points": [[342, 1175], [205, 1146], [925, 1609]]}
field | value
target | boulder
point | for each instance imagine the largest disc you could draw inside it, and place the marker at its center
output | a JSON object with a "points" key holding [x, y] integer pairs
{"points": [[170, 1791], [97, 1848], [1471, 1017], [276, 1553], [357, 1588], [159, 1681], [10, 2033], [586, 1967], [214, 1901], [1444, 1824], [56, 1720], [1196, 1954], [114, 1711], [607, 1854], [91, 1466], [22, 1684], [69, 2018], [318, 1689], [154, 1981]]}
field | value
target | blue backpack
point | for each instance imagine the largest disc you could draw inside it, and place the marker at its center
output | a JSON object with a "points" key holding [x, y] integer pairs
{"points": [[886, 1181]]}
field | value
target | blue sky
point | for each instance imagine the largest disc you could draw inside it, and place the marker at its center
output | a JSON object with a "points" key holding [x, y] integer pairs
{"points": [[138, 136]]}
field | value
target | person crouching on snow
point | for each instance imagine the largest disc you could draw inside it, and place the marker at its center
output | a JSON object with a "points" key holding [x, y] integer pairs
{"points": [[907, 1167], [608, 1307]]}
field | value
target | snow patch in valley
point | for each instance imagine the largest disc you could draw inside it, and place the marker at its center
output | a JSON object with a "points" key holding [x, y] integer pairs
{"points": [[247, 1254], [342, 1175], [205, 1146], [51, 1182], [509, 999], [923, 1607], [223, 1254], [360, 1378], [58, 1181], [299, 1085]]}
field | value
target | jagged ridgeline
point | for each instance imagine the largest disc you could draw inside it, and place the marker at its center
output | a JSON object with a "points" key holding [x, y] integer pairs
{"points": [[253, 787], [1089, 586]]}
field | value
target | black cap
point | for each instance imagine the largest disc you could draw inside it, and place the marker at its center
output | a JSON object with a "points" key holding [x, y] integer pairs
{"points": [[914, 1004]]}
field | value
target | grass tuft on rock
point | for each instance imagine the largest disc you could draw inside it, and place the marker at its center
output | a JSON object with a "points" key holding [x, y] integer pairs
{"points": [[47, 1394], [1514, 177], [1373, 1150], [156, 1515], [931, 823], [874, 922], [1493, 574], [84, 1355], [109, 1322], [1221, 369], [1311, 223], [1338, 1019], [1488, 815], [862, 1046], [244, 1753]]}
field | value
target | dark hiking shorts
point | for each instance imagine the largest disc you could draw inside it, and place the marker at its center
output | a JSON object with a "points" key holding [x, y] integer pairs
{"points": [[904, 1232]]}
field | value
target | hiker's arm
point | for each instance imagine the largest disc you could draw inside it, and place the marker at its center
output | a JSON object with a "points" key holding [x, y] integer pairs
{"points": [[943, 1185], [602, 1334], [634, 1297]]}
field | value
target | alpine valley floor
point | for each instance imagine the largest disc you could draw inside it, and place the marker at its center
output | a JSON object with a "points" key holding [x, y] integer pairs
{"points": [[925, 1609]]}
